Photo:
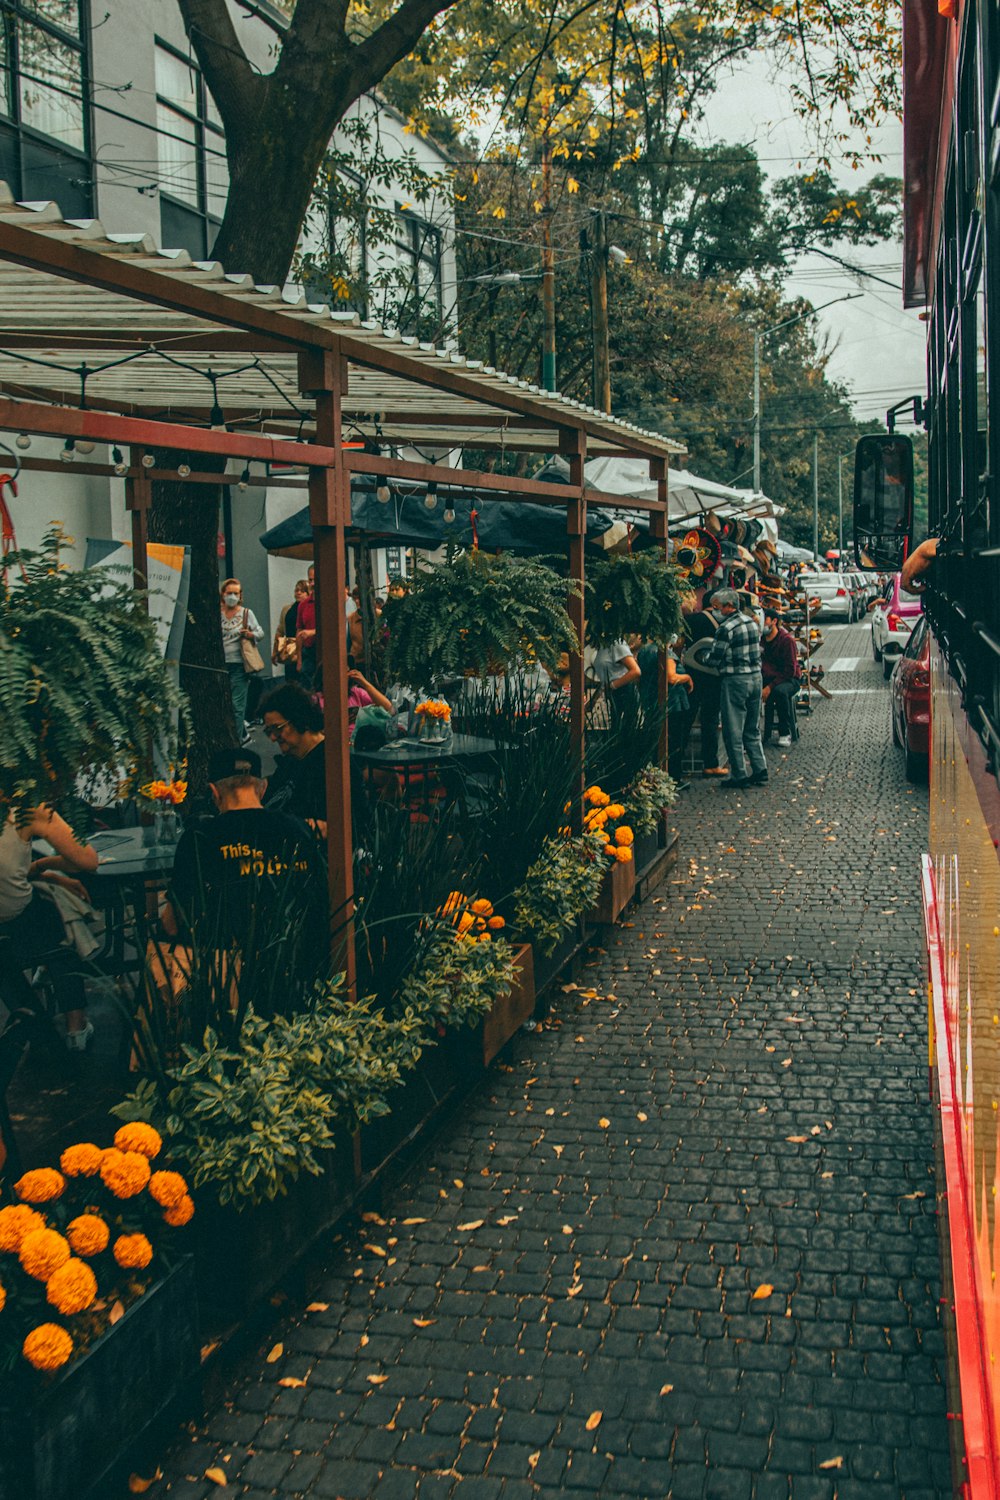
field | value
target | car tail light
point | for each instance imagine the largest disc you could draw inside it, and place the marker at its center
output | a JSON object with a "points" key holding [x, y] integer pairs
{"points": [[897, 622], [841, 593], [920, 678]]}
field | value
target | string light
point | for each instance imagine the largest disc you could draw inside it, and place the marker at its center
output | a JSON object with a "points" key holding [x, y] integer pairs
{"points": [[449, 513], [68, 451], [431, 497], [382, 494], [244, 479], [147, 460], [121, 467], [22, 440], [84, 445], [183, 470]]}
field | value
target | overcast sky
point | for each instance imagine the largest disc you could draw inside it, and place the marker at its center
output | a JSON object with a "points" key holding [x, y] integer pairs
{"points": [[880, 349]]}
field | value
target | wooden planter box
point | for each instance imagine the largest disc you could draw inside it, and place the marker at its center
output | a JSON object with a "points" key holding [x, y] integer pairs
{"points": [[509, 1011], [551, 966], [419, 1096], [76, 1437], [242, 1254], [616, 892], [655, 854]]}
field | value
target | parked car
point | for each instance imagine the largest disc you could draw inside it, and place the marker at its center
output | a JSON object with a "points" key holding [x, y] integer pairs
{"points": [[910, 698], [857, 585], [833, 592], [893, 618]]}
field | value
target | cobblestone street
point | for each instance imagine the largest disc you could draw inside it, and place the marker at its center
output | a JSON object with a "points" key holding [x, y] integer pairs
{"points": [[684, 1242]]}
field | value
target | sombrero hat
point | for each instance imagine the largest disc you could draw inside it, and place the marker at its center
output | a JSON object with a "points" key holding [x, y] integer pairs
{"points": [[696, 554], [695, 654]]}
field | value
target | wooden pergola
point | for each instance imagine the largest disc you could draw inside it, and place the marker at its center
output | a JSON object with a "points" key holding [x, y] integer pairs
{"points": [[106, 338]]}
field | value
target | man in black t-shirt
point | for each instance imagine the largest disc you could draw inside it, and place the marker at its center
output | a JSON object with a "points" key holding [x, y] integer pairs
{"points": [[243, 877]]}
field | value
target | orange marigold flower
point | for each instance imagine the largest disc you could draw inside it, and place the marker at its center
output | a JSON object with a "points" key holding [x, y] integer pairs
{"points": [[83, 1160], [602, 799], [133, 1252], [43, 1185], [47, 1347], [72, 1288], [3, 1298], [465, 921], [611, 849], [88, 1234], [139, 1137], [452, 904], [593, 794], [124, 1172], [182, 1213], [484, 937], [624, 835], [42, 1252], [496, 924], [482, 907], [17, 1220], [623, 854], [167, 1188]]}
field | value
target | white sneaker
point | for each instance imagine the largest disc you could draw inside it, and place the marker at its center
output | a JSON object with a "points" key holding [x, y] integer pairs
{"points": [[784, 740]]}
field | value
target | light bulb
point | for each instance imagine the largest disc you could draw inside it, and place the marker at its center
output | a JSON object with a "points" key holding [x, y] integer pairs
{"points": [[84, 445], [22, 440], [244, 479], [68, 451], [449, 513], [431, 497], [382, 494], [121, 467], [183, 470], [148, 460]]}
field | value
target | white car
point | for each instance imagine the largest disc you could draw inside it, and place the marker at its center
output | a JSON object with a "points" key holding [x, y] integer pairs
{"points": [[833, 590], [893, 618]]}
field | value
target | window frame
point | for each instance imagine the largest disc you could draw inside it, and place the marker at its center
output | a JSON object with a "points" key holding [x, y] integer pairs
{"points": [[206, 135], [13, 15], [410, 249]]}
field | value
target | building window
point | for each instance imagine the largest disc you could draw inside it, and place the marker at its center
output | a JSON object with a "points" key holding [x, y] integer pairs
{"points": [[191, 150], [341, 266], [44, 117], [418, 258]]}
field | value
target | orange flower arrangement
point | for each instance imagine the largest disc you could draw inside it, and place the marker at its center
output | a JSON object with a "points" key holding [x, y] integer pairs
{"points": [[167, 1188], [72, 1288], [42, 1252], [434, 708], [474, 920], [139, 1137], [83, 1160], [182, 1213], [43, 1185], [171, 793], [601, 814], [16, 1221], [88, 1235], [47, 1347], [133, 1252], [125, 1173]]}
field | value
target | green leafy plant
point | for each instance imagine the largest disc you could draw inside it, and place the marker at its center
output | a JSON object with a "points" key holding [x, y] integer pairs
{"points": [[632, 594], [458, 978], [648, 797], [621, 744], [475, 614], [84, 691], [560, 886]]}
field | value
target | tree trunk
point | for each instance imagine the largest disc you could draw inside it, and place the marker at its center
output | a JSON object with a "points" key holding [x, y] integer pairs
{"points": [[188, 515]]}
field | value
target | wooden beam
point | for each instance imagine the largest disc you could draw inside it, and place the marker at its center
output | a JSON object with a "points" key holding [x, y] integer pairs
{"points": [[573, 447], [138, 498], [658, 529]]}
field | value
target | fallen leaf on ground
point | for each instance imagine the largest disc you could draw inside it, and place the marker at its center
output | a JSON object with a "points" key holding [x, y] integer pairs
{"points": [[472, 1224], [507, 1219], [292, 1381], [217, 1476], [594, 1420], [567, 1229], [363, 1341], [275, 1354], [423, 1322], [375, 1250], [815, 1130], [559, 1150], [414, 1221], [372, 1218], [665, 1390], [117, 1311], [786, 1062], [604, 1123], [459, 1183], [642, 1116], [206, 1349], [529, 1081], [797, 1140], [764, 1290], [318, 1307], [377, 1379], [833, 1463], [533, 1459], [138, 1486], [575, 1289]]}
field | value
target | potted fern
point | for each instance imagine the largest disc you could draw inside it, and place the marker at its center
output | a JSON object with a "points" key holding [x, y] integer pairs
{"points": [[632, 594]]}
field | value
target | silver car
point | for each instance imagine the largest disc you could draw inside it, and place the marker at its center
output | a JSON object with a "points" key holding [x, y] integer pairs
{"points": [[833, 590]]}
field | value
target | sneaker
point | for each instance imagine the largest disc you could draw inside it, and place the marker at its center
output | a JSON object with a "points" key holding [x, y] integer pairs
{"points": [[784, 740], [761, 779], [731, 783], [79, 1041]]}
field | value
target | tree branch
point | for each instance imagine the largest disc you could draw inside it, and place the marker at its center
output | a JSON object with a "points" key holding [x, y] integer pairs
{"points": [[234, 84], [374, 57]]}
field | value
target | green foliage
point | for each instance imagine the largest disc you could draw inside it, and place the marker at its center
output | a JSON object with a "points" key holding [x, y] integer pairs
{"points": [[458, 978], [476, 613], [632, 594], [648, 798], [560, 886], [618, 749], [84, 692], [248, 1118]]}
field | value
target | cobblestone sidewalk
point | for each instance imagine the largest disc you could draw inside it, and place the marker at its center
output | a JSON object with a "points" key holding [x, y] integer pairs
{"points": [[685, 1244]]}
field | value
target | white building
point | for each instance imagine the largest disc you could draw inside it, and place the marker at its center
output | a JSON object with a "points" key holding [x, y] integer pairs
{"points": [[103, 109]]}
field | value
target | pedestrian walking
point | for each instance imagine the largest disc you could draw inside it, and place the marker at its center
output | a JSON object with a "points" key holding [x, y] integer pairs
{"points": [[735, 653], [780, 674], [701, 624], [239, 625], [285, 651]]}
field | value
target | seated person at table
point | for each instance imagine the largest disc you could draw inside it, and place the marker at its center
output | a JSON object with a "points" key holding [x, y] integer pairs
{"points": [[31, 929], [294, 721], [231, 871]]}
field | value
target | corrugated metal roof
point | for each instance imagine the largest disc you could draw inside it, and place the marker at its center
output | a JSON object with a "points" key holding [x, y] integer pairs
{"points": [[72, 295]]}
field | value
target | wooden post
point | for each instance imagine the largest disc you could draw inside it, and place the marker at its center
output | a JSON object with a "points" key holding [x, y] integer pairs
{"points": [[138, 498], [573, 447], [658, 529], [323, 377]]}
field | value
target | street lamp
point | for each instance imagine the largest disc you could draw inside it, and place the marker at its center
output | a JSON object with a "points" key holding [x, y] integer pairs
{"points": [[840, 504], [763, 334]]}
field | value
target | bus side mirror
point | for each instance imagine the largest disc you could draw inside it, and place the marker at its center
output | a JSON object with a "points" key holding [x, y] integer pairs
{"points": [[883, 501]]}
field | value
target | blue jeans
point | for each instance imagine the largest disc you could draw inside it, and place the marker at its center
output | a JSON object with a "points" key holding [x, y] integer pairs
{"points": [[741, 723], [239, 687]]}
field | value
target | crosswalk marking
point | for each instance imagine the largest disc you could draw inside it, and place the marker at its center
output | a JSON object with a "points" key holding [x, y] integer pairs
{"points": [[845, 664]]}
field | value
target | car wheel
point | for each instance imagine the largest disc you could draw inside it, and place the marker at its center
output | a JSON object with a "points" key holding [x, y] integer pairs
{"points": [[875, 650], [916, 766], [887, 666], [895, 731]]}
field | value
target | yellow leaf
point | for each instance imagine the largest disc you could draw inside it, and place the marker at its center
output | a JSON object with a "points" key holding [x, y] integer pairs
{"points": [[593, 1421], [472, 1224], [665, 1390], [206, 1349], [138, 1486], [572, 186], [414, 1221], [641, 1116], [533, 1459], [567, 1229], [371, 1218], [833, 1463], [604, 1123], [318, 1307], [275, 1354], [797, 1140], [459, 1183], [117, 1311], [375, 1250], [559, 1150], [292, 1381], [377, 1379], [763, 1291], [507, 1219], [423, 1322], [217, 1476]]}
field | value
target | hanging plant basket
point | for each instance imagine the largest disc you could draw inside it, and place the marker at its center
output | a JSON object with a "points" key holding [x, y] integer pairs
{"points": [[634, 594]]}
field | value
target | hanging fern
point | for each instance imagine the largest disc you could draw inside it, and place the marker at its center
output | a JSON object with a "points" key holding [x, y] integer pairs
{"points": [[476, 613], [84, 692], [632, 595]]}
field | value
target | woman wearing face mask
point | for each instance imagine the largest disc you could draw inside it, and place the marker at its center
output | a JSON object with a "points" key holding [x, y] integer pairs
{"points": [[238, 624]]}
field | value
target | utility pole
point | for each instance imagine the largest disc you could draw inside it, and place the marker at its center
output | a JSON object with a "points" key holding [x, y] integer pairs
{"points": [[548, 272], [756, 413], [599, 309], [816, 495], [840, 507]]}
